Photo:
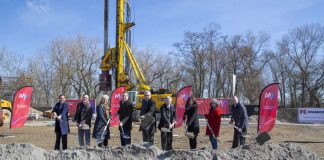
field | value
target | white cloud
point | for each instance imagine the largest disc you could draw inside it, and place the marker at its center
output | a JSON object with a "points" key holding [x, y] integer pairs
{"points": [[38, 6]]}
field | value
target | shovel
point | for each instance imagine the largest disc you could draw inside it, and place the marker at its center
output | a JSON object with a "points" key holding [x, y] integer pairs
{"points": [[241, 133], [262, 138], [122, 128], [164, 129], [211, 130], [123, 133], [103, 133], [188, 134]]}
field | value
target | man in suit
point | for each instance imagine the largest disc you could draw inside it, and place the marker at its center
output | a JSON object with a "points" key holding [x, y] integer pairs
{"points": [[240, 119], [167, 121], [148, 109], [83, 118], [60, 114], [125, 113]]}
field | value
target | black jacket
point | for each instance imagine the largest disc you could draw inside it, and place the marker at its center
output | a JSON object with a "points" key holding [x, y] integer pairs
{"points": [[83, 112], [125, 113], [239, 116], [192, 118], [167, 116], [148, 107]]}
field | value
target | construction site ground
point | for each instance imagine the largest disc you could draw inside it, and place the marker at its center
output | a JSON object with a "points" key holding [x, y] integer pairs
{"points": [[41, 134]]}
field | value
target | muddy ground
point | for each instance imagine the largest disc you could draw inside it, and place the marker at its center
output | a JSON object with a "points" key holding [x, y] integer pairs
{"points": [[310, 137]]}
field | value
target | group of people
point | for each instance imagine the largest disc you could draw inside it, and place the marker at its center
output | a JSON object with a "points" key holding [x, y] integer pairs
{"points": [[167, 122]]}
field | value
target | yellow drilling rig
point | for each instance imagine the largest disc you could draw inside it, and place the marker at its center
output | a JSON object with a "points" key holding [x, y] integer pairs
{"points": [[115, 62]]}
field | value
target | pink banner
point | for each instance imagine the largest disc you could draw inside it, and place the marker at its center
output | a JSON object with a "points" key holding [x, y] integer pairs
{"points": [[182, 98], [116, 97], [268, 108], [203, 105], [21, 105], [73, 105]]}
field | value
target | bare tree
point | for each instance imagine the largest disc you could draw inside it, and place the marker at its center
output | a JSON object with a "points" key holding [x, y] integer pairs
{"points": [[302, 47]]}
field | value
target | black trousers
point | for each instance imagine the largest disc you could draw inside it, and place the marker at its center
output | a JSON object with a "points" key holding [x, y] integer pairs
{"points": [[103, 143], [238, 138], [148, 136], [193, 142], [58, 141], [166, 140]]}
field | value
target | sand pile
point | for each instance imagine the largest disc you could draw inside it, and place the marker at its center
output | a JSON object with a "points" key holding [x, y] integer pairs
{"points": [[137, 151]]}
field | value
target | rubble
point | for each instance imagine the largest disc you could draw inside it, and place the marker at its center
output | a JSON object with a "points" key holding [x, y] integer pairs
{"points": [[139, 151]]}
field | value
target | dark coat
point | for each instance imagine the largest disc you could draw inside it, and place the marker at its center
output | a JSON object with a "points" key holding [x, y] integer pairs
{"points": [[239, 116], [87, 114], [63, 124], [125, 113], [214, 121], [148, 107], [167, 116], [101, 122], [192, 118]]}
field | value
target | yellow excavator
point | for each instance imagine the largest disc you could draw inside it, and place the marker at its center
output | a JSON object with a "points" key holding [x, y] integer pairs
{"points": [[6, 111], [115, 62]]}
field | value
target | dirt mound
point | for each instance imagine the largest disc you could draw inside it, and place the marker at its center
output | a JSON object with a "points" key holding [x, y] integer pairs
{"points": [[137, 151], [268, 151]]}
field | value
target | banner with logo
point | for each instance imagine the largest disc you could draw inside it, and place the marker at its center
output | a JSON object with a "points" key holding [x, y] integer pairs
{"points": [[182, 97], [116, 97], [202, 109], [268, 107], [204, 106], [74, 102], [21, 105], [311, 115]]}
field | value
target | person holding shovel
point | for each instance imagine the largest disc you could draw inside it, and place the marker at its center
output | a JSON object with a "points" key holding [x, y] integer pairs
{"points": [[213, 119], [166, 124], [125, 113], [192, 123], [60, 114], [148, 111], [240, 120], [101, 130], [83, 116]]}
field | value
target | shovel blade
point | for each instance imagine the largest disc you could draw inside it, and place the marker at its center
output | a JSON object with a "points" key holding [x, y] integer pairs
{"points": [[262, 138], [126, 136], [165, 130], [189, 135]]}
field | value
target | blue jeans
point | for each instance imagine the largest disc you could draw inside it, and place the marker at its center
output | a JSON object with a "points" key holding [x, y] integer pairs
{"points": [[125, 141], [213, 142], [84, 134]]}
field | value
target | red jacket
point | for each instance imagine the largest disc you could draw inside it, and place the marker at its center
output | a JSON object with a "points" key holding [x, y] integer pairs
{"points": [[214, 121]]}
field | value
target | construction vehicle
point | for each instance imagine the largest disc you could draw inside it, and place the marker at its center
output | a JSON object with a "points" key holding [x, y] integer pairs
{"points": [[115, 62], [6, 108]]}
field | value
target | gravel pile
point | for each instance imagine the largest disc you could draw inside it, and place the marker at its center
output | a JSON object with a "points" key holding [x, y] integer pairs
{"points": [[137, 151]]}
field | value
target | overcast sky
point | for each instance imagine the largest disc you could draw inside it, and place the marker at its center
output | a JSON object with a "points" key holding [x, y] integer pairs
{"points": [[26, 26]]}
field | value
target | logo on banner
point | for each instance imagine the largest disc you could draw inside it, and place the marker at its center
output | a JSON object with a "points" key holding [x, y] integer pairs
{"points": [[183, 98], [271, 95], [303, 111], [117, 96], [23, 96]]}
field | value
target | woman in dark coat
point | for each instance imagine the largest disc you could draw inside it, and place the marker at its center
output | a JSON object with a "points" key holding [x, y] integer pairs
{"points": [[192, 123], [103, 114]]}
